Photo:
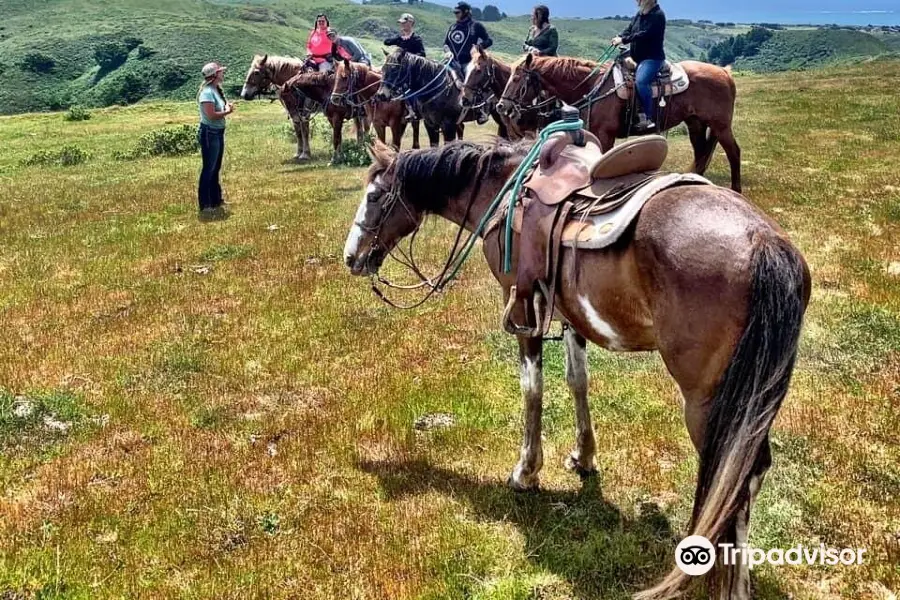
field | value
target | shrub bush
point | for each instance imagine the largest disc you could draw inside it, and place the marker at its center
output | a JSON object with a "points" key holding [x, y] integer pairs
{"points": [[145, 52], [132, 42], [179, 140], [111, 55], [354, 154], [126, 88], [170, 75], [38, 62], [77, 113], [66, 156]]}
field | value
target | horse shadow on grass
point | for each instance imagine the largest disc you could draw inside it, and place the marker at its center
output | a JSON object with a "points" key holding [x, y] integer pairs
{"points": [[576, 535]]}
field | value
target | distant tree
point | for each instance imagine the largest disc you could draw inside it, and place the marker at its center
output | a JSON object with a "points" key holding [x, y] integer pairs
{"points": [[38, 62], [145, 52], [476, 13], [110, 55], [491, 13]]}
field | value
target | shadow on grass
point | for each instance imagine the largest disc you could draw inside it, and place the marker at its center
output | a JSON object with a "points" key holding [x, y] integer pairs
{"points": [[576, 535]]}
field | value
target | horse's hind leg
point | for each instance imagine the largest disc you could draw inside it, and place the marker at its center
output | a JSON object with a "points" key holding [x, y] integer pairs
{"points": [[531, 377], [434, 135], [703, 142], [415, 128], [305, 152], [581, 459], [739, 589], [733, 152]]}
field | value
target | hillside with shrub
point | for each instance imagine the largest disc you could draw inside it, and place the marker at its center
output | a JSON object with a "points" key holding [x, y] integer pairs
{"points": [[58, 53]]}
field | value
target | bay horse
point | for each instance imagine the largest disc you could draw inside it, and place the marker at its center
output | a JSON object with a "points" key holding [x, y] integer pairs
{"points": [[432, 90], [317, 87], [355, 84], [702, 276], [266, 72], [485, 77], [706, 107]]}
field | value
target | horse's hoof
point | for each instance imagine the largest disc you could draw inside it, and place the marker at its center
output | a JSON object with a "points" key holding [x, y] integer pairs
{"points": [[302, 158], [574, 465], [522, 483]]}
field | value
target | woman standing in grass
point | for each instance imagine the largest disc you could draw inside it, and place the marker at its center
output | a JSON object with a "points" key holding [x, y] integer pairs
{"points": [[213, 110]]}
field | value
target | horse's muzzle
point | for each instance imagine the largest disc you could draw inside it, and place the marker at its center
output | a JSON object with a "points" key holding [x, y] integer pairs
{"points": [[505, 108]]}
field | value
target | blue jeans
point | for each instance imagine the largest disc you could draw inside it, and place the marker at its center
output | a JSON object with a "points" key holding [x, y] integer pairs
{"points": [[212, 147], [644, 78]]}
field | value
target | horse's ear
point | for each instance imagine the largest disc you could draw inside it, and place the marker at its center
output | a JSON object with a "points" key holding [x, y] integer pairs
{"points": [[347, 65], [263, 60], [481, 51], [386, 53], [529, 58]]}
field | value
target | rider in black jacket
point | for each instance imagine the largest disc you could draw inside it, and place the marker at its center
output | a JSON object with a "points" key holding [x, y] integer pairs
{"points": [[408, 39], [646, 34], [461, 38]]}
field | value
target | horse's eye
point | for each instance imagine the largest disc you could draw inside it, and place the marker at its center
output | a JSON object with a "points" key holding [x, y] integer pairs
{"points": [[373, 197]]}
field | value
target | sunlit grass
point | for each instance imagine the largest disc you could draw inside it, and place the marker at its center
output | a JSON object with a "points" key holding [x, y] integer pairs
{"points": [[242, 409]]}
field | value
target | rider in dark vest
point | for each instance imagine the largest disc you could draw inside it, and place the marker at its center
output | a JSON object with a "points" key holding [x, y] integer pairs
{"points": [[461, 38], [646, 34], [543, 39]]}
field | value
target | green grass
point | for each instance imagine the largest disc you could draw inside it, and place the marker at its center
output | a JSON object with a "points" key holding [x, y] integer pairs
{"points": [[795, 49], [243, 410]]}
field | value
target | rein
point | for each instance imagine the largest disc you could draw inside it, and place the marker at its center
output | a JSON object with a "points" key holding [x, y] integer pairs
{"points": [[428, 89], [349, 96], [460, 253]]}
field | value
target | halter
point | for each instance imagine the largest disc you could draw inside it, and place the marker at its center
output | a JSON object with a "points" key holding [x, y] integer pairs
{"points": [[350, 95], [480, 92], [518, 102]]}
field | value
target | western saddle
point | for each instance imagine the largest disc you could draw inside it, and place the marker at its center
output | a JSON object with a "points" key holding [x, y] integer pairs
{"points": [[672, 79], [576, 196]]}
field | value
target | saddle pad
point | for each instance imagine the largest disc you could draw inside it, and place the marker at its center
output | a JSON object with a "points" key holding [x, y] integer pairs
{"points": [[677, 83], [595, 232]]}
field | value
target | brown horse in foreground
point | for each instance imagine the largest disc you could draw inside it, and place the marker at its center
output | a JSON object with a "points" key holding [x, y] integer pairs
{"points": [[355, 84], [707, 106], [317, 87], [266, 72], [702, 276]]}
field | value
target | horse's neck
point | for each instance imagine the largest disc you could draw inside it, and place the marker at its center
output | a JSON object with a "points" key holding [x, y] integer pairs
{"points": [[574, 90], [502, 72], [427, 72], [283, 69], [316, 90], [491, 184], [369, 83]]}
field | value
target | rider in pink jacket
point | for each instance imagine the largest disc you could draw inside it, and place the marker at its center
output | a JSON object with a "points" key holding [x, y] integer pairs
{"points": [[318, 46]]}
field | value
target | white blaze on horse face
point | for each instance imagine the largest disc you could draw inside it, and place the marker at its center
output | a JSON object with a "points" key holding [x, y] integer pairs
{"points": [[598, 325], [354, 239]]}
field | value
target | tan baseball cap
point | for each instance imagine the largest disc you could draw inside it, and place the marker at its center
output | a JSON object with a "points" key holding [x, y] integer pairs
{"points": [[406, 18], [211, 69]]}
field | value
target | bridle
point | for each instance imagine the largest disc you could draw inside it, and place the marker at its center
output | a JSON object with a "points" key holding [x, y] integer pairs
{"points": [[350, 96], [454, 259], [520, 106], [481, 91]]}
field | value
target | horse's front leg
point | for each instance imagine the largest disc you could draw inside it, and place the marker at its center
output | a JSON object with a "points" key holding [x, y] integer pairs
{"points": [[581, 459], [297, 122], [337, 138], [305, 151], [531, 458]]}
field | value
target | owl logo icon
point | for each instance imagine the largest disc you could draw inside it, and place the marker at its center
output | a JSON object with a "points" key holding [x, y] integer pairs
{"points": [[695, 555]]}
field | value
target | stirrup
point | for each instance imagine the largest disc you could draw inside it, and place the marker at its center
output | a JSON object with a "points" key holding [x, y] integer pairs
{"points": [[543, 317]]}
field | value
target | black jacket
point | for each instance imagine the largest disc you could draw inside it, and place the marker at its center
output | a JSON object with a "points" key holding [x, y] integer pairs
{"points": [[462, 36], [413, 44], [646, 34]]}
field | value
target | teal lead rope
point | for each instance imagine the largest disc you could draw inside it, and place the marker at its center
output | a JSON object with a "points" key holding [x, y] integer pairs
{"points": [[572, 122]]}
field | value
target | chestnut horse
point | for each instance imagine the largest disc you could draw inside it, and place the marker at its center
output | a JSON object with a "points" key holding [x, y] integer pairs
{"points": [[485, 79], [317, 87], [355, 84], [702, 276], [274, 71], [707, 106]]}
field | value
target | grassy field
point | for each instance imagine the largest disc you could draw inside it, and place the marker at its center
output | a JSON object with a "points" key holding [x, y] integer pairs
{"points": [[219, 410]]}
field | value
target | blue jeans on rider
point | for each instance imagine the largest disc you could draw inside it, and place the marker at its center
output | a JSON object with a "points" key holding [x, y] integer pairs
{"points": [[644, 77], [212, 147]]}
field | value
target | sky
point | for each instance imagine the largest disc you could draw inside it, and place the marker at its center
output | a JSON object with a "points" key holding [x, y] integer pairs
{"points": [[845, 12]]}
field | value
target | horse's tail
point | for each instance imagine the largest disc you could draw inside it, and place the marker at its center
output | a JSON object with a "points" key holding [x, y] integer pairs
{"points": [[746, 400]]}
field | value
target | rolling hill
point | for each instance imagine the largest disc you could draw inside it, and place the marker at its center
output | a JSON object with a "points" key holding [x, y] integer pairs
{"points": [[47, 47]]}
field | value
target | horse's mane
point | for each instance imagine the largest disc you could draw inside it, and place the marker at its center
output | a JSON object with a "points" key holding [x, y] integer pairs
{"points": [[312, 79], [421, 70], [561, 70], [432, 176], [280, 67]]}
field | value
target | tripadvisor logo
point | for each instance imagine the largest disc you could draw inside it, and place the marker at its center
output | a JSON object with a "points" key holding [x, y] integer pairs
{"points": [[696, 555]]}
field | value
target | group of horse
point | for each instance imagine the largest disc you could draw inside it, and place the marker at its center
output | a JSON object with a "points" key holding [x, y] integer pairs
{"points": [[697, 273], [521, 97]]}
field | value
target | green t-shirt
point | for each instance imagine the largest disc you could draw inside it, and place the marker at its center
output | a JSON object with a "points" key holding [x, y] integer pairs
{"points": [[210, 94]]}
